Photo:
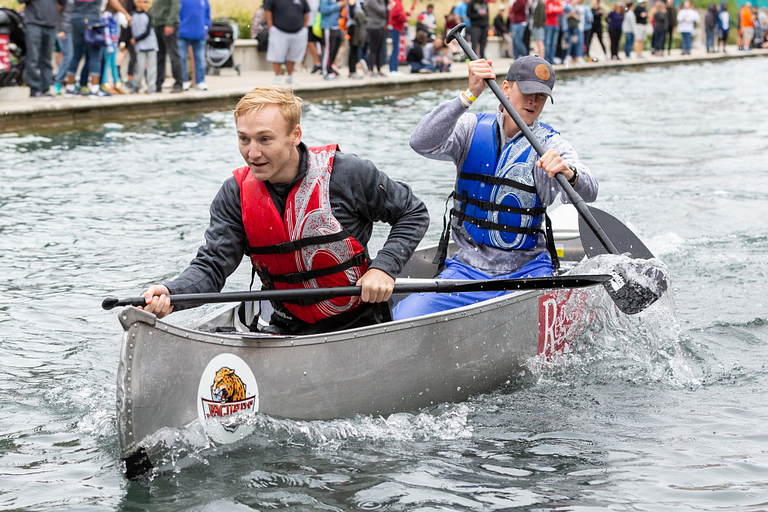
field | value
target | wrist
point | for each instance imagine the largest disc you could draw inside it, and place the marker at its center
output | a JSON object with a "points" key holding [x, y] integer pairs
{"points": [[575, 176]]}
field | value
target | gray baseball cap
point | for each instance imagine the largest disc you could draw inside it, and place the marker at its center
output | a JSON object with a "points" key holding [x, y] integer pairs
{"points": [[533, 75]]}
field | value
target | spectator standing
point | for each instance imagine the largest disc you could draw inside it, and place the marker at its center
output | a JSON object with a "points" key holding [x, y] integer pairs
{"points": [[641, 27], [330, 10], [723, 25], [597, 28], [395, 25], [314, 41], [40, 17], [615, 20], [377, 34], [64, 35], [165, 17], [357, 28], [537, 20], [112, 26], [501, 29], [518, 19], [671, 24], [554, 9], [628, 27], [144, 40], [746, 26], [194, 22], [658, 14], [125, 48], [84, 14], [710, 26], [687, 19], [287, 21], [477, 11], [576, 30], [460, 10]]}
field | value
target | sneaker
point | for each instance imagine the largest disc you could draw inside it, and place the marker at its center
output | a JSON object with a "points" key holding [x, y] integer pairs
{"points": [[395, 73], [57, 89], [330, 76], [71, 92], [40, 95], [355, 76], [277, 79], [202, 86], [289, 80], [186, 85], [150, 91], [177, 88], [335, 69], [100, 93], [316, 69], [364, 67], [84, 91]]}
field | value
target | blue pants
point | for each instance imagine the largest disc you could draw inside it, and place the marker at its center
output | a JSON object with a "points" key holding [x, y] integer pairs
{"points": [[66, 56], [518, 46], [80, 48], [393, 58], [576, 37], [419, 304], [629, 41], [687, 41], [550, 42], [40, 42], [198, 51]]}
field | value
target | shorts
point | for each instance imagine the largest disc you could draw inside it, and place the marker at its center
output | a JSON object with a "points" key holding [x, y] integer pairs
{"points": [[641, 32], [286, 47], [723, 35], [312, 38], [537, 34], [748, 33]]}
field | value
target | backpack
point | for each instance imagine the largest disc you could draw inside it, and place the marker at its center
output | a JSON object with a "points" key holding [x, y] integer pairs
{"points": [[361, 35], [316, 26]]}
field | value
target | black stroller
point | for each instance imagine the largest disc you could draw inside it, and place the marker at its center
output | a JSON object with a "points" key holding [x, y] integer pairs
{"points": [[220, 45], [13, 48]]}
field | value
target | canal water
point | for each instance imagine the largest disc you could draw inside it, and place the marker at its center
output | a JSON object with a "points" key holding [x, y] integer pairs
{"points": [[662, 411]]}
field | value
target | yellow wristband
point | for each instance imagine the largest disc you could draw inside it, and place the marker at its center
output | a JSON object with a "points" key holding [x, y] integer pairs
{"points": [[471, 97]]}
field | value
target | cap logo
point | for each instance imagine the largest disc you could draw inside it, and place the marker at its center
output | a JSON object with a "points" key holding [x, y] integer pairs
{"points": [[542, 71]]}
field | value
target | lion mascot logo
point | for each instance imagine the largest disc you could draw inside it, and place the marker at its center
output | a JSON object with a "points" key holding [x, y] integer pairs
{"points": [[227, 386]]}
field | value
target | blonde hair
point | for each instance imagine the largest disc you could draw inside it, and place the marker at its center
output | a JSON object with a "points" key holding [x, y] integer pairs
{"points": [[288, 103]]}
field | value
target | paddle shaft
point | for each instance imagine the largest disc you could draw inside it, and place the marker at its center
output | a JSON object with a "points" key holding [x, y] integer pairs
{"points": [[574, 196], [433, 286]]}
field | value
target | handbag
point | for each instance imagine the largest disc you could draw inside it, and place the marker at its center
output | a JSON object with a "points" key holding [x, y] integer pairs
{"points": [[94, 35]]}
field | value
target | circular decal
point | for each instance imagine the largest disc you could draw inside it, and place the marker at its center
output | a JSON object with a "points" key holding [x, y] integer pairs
{"points": [[542, 71], [227, 387]]}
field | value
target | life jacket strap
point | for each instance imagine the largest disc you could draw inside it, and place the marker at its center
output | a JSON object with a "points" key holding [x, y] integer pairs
{"points": [[299, 277], [486, 224], [286, 247], [489, 206], [495, 180]]}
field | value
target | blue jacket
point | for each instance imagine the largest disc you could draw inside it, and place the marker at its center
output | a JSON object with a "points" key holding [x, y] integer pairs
{"points": [[329, 12], [194, 19]]}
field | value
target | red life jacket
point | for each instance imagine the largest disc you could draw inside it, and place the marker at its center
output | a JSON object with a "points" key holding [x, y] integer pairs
{"points": [[308, 248]]}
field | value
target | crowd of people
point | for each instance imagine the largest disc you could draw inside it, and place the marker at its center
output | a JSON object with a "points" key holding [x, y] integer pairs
{"points": [[102, 34]]}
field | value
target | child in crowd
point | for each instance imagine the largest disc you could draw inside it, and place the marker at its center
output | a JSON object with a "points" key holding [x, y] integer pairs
{"points": [[145, 43], [125, 48], [438, 54], [415, 56], [112, 21]]}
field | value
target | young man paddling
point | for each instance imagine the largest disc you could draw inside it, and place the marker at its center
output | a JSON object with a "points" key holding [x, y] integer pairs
{"points": [[304, 215], [503, 186]]}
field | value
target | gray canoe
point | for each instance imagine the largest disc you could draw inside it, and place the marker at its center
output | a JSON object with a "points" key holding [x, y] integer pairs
{"points": [[170, 377]]}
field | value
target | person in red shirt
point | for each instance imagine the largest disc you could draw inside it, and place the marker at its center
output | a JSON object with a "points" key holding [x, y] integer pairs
{"points": [[552, 28], [518, 20], [396, 25]]}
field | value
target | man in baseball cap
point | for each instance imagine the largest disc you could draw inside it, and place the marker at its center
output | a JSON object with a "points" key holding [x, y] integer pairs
{"points": [[503, 187]]}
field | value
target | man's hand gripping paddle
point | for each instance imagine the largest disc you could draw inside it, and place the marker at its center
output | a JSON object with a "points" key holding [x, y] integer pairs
{"points": [[629, 295]]}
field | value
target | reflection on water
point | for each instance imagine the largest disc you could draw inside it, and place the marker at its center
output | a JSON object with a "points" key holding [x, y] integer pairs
{"points": [[663, 410]]}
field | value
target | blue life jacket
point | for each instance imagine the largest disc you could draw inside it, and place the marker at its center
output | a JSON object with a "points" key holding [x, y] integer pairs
{"points": [[495, 199]]}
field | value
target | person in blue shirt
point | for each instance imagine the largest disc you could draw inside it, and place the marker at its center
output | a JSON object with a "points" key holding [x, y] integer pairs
{"points": [[194, 22], [330, 10]]}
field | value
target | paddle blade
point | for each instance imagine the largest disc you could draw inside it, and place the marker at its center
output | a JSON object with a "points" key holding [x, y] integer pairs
{"points": [[636, 286], [621, 236]]}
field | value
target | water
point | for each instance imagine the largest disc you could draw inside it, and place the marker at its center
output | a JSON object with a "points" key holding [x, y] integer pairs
{"points": [[662, 411]]}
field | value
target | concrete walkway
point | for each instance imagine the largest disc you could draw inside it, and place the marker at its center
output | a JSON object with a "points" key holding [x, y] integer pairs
{"points": [[20, 113]]}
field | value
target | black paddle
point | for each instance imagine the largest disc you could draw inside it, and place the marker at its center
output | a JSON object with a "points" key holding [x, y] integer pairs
{"points": [[627, 293], [435, 286]]}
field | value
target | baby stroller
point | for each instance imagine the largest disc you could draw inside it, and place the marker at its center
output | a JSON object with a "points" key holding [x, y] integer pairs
{"points": [[220, 45], [13, 48]]}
